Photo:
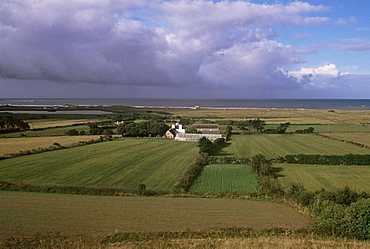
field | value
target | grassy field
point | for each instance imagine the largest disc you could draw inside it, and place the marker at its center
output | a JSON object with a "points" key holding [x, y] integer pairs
{"points": [[299, 116], [30, 213], [315, 177], [125, 163], [61, 131], [332, 128], [362, 138], [14, 145], [220, 178], [49, 123], [274, 145]]}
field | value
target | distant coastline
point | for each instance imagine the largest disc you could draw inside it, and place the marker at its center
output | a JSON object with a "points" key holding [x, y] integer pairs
{"points": [[346, 104]]}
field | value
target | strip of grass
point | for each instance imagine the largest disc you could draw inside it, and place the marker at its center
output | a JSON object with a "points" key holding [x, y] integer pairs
{"points": [[50, 123], [125, 164], [221, 178], [315, 177], [30, 213], [61, 131], [275, 145]]}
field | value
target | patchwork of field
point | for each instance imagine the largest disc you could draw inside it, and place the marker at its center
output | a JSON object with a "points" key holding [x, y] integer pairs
{"points": [[299, 116], [48, 123], [332, 128], [30, 213], [61, 131], [124, 163], [362, 138], [330, 177], [274, 145], [221, 178], [14, 145]]}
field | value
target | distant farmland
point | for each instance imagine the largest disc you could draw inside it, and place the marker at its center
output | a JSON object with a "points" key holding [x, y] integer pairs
{"points": [[274, 145], [330, 177], [221, 178], [125, 163]]}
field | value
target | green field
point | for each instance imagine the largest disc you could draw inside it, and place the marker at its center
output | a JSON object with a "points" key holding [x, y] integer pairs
{"points": [[330, 177], [30, 213], [274, 145], [47, 132], [220, 178], [124, 163]]}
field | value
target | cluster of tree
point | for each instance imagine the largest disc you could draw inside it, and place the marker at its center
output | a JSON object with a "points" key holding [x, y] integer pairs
{"points": [[344, 213], [348, 159], [281, 129], [261, 166], [228, 160], [193, 172], [100, 130], [74, 132], [307, 130], [228, 132], [207, 146], [143, 129], [253, 126], [13, 124]]}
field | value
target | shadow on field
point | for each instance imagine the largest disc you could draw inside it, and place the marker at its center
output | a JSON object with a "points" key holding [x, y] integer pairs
{"points": [[222, 152], [276, 172]]}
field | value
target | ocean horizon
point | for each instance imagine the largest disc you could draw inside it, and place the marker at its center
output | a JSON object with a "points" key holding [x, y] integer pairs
{"points": [[347, 104]]}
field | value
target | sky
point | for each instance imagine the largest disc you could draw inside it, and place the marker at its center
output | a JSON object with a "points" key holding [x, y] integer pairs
{"points": [[184, 49]]}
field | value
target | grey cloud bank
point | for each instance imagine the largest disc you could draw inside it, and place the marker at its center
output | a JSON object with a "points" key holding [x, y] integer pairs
{"points": [[154, 49]]}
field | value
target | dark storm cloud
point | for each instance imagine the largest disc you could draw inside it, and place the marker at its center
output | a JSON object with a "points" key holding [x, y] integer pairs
{"points": [[152, 43]]}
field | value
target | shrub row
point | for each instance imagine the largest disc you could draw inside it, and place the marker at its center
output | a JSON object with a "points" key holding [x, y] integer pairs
{"points": [[76, 190], [344, 141], [348, 159], [228, 160], [184, 183], [343, 213]]}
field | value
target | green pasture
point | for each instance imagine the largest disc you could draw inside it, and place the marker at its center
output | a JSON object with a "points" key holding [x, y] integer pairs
{"points": [[124, 163], [330, 177], [275, 145], [220, 178]]}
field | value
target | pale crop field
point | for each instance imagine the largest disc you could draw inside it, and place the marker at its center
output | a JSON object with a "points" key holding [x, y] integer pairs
{"points": [[275, 145], [30, 213], [221, 178], [15, 145], [124, 163], [330, 177]]}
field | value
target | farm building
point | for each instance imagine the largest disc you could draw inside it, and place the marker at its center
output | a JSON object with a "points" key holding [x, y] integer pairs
{"points": [[195, 136]]}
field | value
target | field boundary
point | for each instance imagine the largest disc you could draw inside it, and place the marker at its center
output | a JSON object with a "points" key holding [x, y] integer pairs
{"points": [[343, 140]]}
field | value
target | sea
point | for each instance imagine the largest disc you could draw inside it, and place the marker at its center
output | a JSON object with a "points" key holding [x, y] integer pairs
{"points": [[346, 104]]}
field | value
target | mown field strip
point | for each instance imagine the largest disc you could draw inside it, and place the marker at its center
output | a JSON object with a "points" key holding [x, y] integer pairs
{"points": [[125, 163], [30, 213], [14, 145], [274, 145], [221, 178], [61, 131], [330, 177], [362, 138], [48, 123]]}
